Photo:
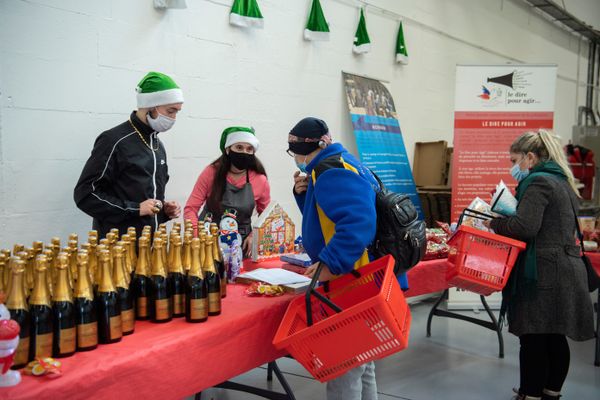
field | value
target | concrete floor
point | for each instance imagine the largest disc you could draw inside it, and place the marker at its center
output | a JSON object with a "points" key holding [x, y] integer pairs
{"points": [[459, 361]]}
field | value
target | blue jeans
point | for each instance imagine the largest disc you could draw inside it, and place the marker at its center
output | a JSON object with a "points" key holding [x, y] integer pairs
{"points": [[356, 384]]}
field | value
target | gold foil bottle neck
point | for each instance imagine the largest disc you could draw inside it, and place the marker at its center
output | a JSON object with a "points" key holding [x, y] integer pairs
{"points": [[105, 283], [176, 263], [142, 261], [158, 267], [83, 286], [16, 297], [41, 295], [209, 264], [62, 291], [119, 268], [196, 263]]}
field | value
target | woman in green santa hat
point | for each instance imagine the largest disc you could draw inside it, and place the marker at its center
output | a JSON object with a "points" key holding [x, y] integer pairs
{"points": [[236, 180]]}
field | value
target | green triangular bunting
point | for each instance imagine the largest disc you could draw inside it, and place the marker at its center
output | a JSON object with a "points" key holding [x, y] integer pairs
{"points": [[401, 53], [362, 43], [246, 13], [316, 26]]}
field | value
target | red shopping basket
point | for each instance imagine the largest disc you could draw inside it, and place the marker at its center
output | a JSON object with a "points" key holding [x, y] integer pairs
{"points": [[358, 317], [480, 261]]}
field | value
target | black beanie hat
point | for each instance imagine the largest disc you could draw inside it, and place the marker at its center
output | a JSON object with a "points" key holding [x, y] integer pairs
{"points": [[309, 128]]}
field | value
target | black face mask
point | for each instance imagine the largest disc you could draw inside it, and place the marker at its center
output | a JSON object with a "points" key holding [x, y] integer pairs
{"points": [[242, 160]]}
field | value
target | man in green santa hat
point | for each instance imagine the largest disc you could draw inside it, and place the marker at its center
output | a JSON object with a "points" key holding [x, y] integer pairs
{"points": [[123, 182]]}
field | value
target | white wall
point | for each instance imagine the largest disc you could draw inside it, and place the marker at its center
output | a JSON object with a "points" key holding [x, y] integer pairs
{"points": [[68, 69]]}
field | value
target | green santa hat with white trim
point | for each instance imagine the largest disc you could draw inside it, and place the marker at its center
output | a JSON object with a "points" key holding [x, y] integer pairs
{"points": [[401, 53], [246, 13], [362, 43], [238, 134], [317, 27], [156, 89]]}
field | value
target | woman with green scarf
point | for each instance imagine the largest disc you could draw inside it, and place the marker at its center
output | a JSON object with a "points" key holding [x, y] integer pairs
{"points": [[546, 298]]}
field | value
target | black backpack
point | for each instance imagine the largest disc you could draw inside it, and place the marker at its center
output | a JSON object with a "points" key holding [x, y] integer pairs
{"points": [[399, 230], [399, 233]]}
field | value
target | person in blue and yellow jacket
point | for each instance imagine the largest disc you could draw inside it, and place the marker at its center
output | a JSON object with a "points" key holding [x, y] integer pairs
{"points": [[336, 195]]}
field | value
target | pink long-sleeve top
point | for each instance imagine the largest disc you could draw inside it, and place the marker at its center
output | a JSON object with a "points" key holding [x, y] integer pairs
{"points": [[204, 183]]}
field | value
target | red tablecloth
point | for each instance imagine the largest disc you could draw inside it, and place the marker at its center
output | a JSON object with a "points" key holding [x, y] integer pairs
{"points": [[177, 359], [171, 360]]}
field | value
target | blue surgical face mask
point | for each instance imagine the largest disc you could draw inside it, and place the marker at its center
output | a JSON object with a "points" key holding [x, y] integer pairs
{"points": [[517, 173], [301, 165]]}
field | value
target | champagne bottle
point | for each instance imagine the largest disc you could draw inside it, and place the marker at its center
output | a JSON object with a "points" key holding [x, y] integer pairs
{"points": [[161, 298], [93, 234], [5, 277], [124, 244], [92, 255], [38, 248], [187, 253], [55, 243], [165, 242], [49, 267], [63, 309], [213, 281], [19, 311], [141, 281], [196, 298], [98, 275], [115, 232], [23, 256], [74, 237], [29, 268], [132, 247], [176, 278], [67, 251], [219, 264], [3, 268], [73, 244], [107, 304], [171, 250], [42, 316], [17, 248], [86, 317], [123, 292]]}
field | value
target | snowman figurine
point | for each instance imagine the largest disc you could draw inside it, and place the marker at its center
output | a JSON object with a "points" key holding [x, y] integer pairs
{"points": [[230, 242], [9, 341]]}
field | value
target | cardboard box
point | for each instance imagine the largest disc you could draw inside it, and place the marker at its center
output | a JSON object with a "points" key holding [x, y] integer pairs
{"points": [[436, 201], [431, 163]]}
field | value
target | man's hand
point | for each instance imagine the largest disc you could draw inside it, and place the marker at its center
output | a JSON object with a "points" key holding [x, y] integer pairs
{"points": [[325, 274], [150, 207], [247, 246], [172, 209], [300, 183]]}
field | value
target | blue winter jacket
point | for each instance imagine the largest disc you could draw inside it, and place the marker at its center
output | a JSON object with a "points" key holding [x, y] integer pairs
{"points": [[338, 210]]}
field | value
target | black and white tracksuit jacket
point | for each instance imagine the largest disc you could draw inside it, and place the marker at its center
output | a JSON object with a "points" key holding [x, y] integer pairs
{"points": [[122, 172]]}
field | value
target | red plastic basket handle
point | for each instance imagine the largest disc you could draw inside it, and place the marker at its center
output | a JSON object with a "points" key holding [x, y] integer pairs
{"points": [[312, 291]]}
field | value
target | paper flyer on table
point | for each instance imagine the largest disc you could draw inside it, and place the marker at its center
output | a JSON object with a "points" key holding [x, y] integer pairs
{"points": [[274, 276]]}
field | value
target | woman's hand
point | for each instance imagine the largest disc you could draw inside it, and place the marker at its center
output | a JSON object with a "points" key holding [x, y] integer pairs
{"points": [[247, 246], [325, 274]]}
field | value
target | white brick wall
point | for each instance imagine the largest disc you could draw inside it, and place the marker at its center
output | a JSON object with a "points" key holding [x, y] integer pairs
{"points": [[68, 69]]}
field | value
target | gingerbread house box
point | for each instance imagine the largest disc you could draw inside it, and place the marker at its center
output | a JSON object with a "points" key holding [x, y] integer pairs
{"points": [[273, 234]]}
